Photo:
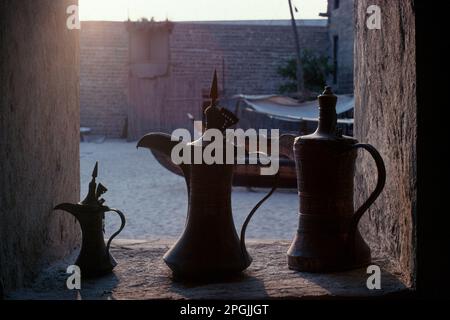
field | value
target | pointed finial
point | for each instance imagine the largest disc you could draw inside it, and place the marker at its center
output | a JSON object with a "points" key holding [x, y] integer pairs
{"points": [[94, 172], [90, 197], [214, 93]]}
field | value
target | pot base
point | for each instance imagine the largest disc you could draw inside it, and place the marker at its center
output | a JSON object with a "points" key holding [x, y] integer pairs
{"points": [[327, 252], [314, 265]]}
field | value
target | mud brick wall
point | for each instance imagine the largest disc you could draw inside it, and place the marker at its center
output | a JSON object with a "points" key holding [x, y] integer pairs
{"points": [[341, 24], [103, 77], [249, 55], [386, 117], [39, 136]]}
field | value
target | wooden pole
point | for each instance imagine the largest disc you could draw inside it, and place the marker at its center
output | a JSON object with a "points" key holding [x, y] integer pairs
{"points": [[300, 82]]}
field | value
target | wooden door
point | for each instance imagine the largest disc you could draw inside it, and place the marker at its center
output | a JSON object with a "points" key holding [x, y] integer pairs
{"points": [[162, 104]]}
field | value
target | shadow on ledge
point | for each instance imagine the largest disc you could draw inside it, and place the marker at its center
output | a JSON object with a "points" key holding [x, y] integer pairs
{"points": [[230, 288], [353, 284]]}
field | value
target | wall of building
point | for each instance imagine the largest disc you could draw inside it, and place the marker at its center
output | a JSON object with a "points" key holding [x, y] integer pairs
{"points": [[39, 136], [103, 77], [341, 24], [386, 117], [246, 57]]}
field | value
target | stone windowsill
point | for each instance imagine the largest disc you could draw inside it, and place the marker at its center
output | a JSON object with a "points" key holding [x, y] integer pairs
{"points": [[142, 274]]}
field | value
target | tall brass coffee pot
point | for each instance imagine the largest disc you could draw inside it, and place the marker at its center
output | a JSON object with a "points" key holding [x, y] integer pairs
{"points": [[209, 246], [327, 238]]}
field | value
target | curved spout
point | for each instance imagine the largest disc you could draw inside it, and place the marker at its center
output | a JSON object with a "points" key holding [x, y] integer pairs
{"points": [[158, 141], [74, 209], [163, 143]]}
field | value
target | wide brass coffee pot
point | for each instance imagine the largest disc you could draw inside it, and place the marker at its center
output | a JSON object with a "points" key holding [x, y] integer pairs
{"points": [[327, 238], [209, 246]]}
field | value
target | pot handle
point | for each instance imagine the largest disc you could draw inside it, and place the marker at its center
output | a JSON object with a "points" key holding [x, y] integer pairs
{"points": [[381, 180], [256, 207], [122, 218]]}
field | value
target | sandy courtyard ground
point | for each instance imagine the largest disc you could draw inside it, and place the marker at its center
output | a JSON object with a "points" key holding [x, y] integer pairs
{"points": [[154, 200]]}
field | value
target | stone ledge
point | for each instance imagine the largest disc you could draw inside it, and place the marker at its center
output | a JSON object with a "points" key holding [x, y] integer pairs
{"points": [[142, 274]]}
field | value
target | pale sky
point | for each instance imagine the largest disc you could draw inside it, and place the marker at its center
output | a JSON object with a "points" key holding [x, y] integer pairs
{"points": [[192, 10]]}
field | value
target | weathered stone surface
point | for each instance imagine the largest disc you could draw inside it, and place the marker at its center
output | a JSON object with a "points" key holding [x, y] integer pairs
{"points": [[39, 135], [386, 117], [142, 274]]}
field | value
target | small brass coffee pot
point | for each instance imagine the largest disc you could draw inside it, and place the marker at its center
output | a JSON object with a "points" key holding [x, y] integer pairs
{"points": [[94, 258], [327, 238]]}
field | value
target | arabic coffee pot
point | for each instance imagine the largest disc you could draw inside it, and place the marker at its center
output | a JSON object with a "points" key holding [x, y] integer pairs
{"points": [[327, 238], [94, 258], [209, 247]]}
